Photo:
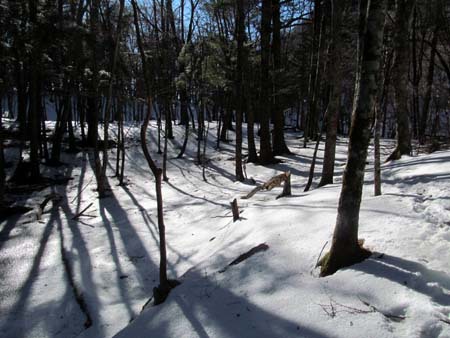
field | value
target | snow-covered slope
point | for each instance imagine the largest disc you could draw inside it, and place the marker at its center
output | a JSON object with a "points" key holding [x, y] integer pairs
{"points": [[403, 290]]}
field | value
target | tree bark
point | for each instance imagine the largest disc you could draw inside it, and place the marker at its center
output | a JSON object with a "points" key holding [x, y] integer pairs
{"points": [[334, 78], [240, 37], [161, 292], [430, 76], [345, 249], [2, 168], [279, 143], [265, 147], [403, 17]]}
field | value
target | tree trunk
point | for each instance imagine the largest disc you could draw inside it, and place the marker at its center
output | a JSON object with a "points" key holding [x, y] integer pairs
{"points": [[34, 120], [60, 129], [429, 85], [161, 292], [404, 11], [2, 168], [377, 155], [240, 37], [103, 181], [345, 249], [334, 78], [252, 155], [265, 148], [279, 144]]}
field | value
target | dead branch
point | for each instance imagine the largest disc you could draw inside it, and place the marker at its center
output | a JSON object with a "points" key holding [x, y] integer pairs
{"points": [[51, 197], [259, 248], [320, 254], [82, 211], [276, 181], [387, 315]]}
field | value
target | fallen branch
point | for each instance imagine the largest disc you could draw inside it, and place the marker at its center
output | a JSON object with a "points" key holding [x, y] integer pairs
{"points": [[276, 181], [248, 254], [320, 254], [51, 197], [387, 315], [82, 211]]}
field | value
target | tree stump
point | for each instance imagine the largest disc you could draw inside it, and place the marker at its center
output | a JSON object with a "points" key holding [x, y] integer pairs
{"points": [[235, 210]]}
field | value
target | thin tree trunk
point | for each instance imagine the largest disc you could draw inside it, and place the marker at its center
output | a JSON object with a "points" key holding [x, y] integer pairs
{"points": [[313, 162], [60, 129], [429, 84], [103, 179], [2, 169], [334, 78], [252, 155], [377, 155], [161, 292], [240, 37]]}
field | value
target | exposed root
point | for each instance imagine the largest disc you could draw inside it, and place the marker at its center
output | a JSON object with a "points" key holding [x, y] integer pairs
{"points": [[160, 293], [341, 257]]}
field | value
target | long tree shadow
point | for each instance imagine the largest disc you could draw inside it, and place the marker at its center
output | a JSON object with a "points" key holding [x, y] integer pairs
{"points": [[432, 283], [125, 297], [133, 245], [86, 268], [153, 230], [20, 313], [20, 306], [8, 226], [197, 197], [214, 311]]}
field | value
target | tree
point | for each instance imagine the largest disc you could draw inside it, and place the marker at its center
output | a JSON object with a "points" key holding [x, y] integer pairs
{"points": [[240, 37], [279, 144], [403, 17], [161, 292], [345, 249], [334, 79], [430, 75], [34, 94], [265, 148]]}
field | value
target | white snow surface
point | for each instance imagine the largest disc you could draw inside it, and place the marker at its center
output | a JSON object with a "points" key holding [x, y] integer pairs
{"points": [[403, 290]]}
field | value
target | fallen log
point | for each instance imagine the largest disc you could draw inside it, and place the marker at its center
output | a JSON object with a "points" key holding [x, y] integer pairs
{"points": [[276, 181]]}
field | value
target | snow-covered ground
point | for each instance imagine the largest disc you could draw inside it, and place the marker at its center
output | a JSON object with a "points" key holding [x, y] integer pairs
{"points": [[112, 257]]}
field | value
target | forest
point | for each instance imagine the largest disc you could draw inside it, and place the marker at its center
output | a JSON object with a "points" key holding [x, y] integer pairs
{"points": [[224, 168]]}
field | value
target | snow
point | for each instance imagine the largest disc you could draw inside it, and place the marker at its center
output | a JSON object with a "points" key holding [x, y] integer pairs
{"points": [[403, 290]]}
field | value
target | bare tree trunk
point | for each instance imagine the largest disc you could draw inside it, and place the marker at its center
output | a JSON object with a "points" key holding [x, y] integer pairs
{"points": [[345, 249], [377, 155], [404, 11], [252, 155], [72, 144], [102, 180], [279, 143], [240, 37], [162, 291], [60, 129], [186, 137], [166, 140], [380, 113], [430, 76], [2, 168], [265, 147], [34, 119], [334, 78]]}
